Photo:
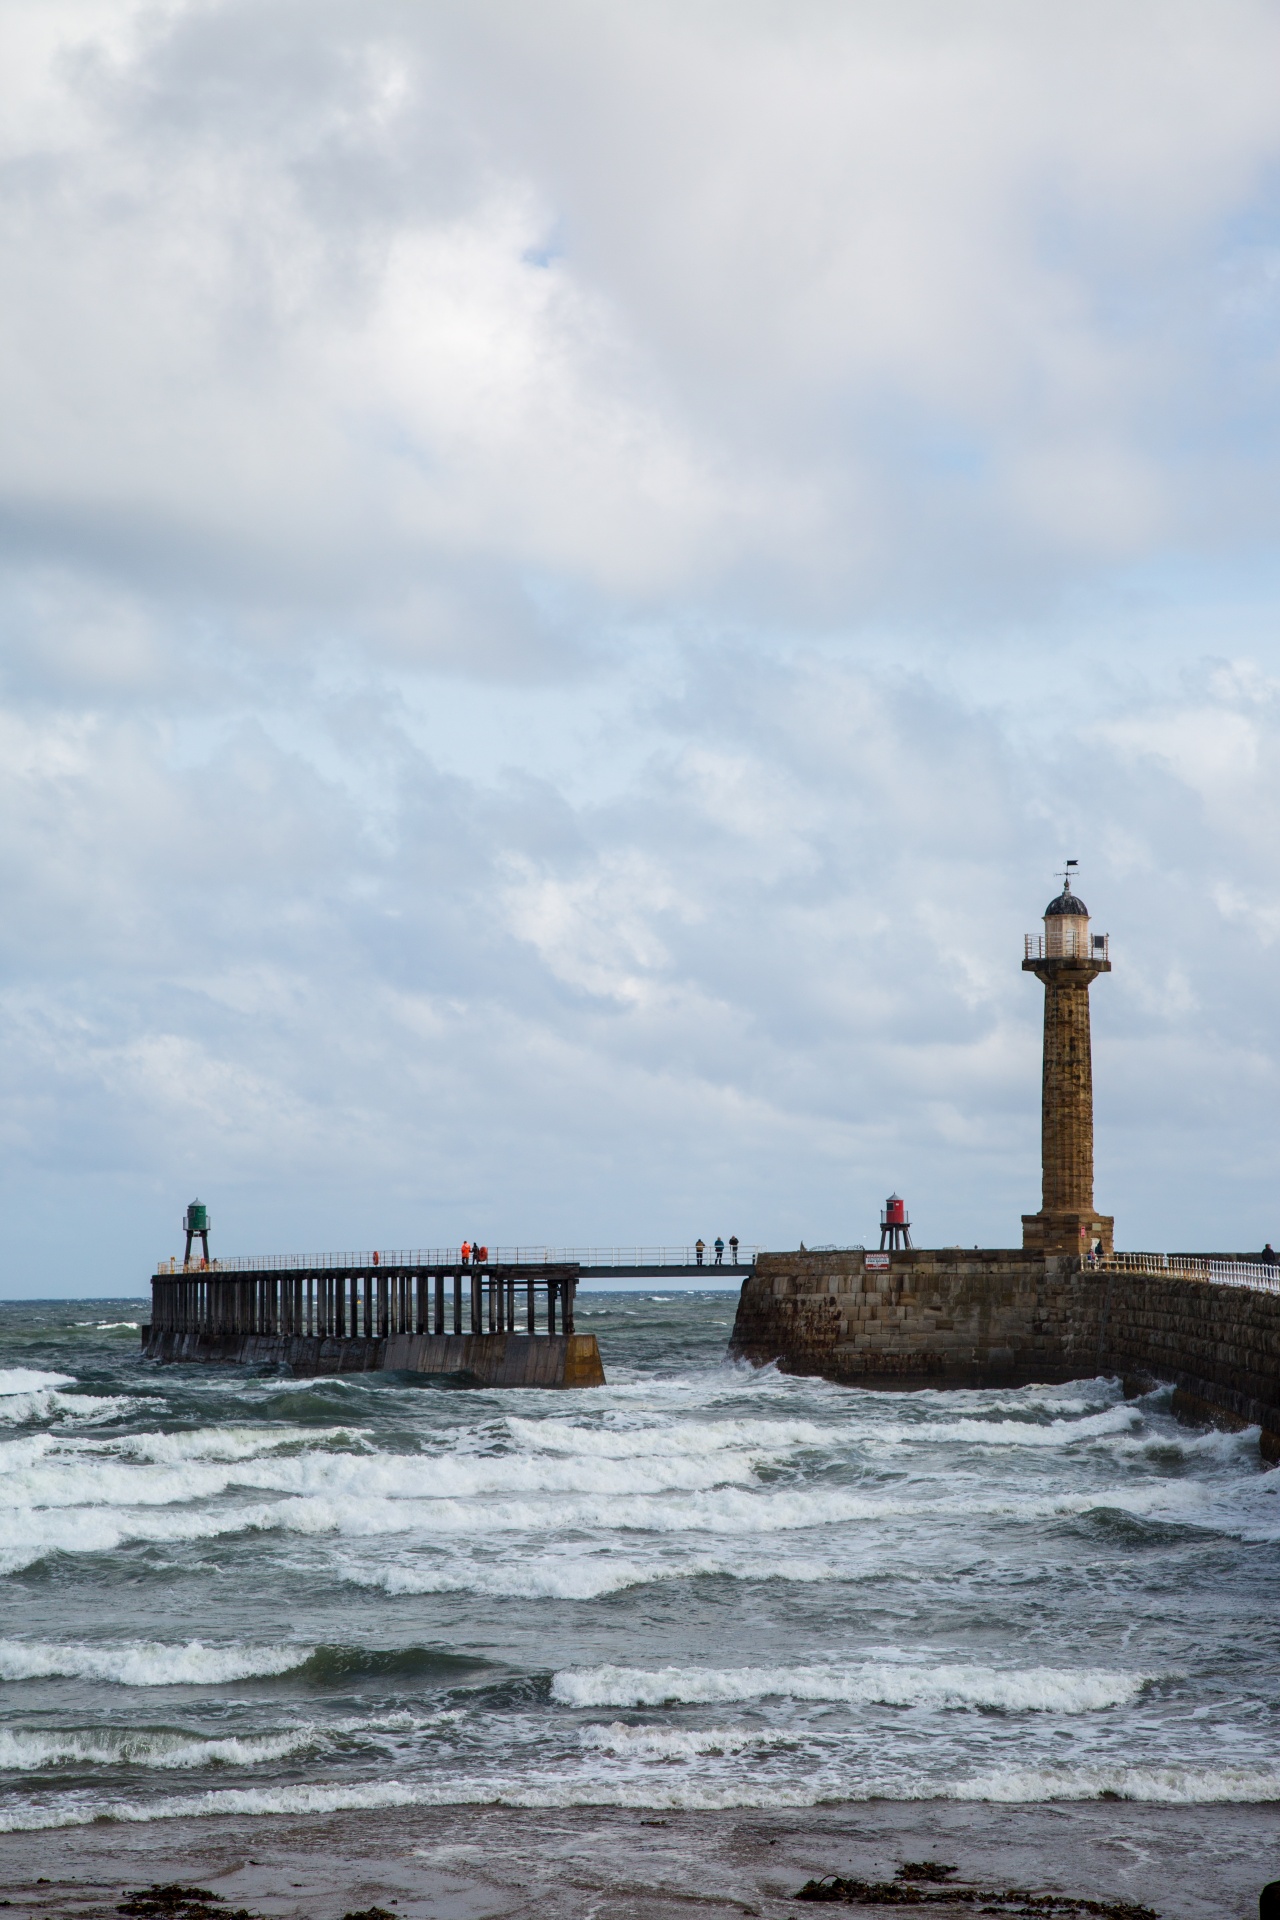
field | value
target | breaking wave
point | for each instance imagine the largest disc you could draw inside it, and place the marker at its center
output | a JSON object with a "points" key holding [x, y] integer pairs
{"points": [[24, 1751], [146, 1663], [702, 1586], [705, 1793], [1032, 1690]]}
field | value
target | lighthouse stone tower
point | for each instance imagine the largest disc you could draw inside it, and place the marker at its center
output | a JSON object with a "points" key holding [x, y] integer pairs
{"points": [[1068, 959]]}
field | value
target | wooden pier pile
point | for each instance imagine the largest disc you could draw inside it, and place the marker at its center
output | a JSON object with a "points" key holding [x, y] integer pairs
{"points": [[511, 1325]]}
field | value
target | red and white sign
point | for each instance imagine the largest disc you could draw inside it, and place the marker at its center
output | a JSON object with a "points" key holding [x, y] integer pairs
{"points": [[877, 1259]]}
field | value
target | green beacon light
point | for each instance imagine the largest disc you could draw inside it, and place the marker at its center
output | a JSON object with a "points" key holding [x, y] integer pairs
{"points": [[196, 1226]]}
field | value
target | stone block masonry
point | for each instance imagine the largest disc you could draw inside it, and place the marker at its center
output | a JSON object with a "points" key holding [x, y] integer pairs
{"points": [[997, 1317]]}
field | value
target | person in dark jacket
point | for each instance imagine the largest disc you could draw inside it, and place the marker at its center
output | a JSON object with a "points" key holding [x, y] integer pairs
{"points": [[719, 1251]]}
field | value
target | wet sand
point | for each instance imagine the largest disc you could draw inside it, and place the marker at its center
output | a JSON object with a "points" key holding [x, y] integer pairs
{"points": [[1187, 1863]]}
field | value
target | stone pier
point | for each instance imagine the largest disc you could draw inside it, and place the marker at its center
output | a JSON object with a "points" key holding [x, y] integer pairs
{"points": [[952, 1317]]}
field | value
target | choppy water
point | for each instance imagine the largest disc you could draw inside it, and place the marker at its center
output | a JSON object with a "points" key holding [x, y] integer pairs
{"points": [[700, 1586]]}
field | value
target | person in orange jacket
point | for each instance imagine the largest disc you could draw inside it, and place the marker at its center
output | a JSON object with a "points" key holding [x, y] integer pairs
{"points": [[466, 1252]]}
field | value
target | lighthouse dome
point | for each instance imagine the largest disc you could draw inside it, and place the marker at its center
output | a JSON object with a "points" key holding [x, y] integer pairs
{"points": [[1066, 926], [1066, 902]]}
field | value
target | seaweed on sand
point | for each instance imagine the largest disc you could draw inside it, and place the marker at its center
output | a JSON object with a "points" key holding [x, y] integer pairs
{"points": [[904, 1891]]}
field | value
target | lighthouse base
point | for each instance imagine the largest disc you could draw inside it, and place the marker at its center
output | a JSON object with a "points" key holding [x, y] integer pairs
{"points": [[1052, 1232]]}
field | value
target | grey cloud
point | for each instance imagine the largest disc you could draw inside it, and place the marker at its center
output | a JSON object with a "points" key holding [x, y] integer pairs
{"points": [[566, 581], [852, 310], [778, 973]]}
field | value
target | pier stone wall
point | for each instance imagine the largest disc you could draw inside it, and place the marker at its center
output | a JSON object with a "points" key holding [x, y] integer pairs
{"points": [[946, 1318], [1219, 1346], [952, 1317]]}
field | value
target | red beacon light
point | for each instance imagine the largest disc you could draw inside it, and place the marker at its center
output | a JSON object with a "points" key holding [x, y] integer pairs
{"points": [[895, 1228]]}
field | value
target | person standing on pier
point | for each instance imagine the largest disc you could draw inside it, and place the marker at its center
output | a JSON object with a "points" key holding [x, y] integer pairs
{"points": [[466, 1252], [733, 1248], [700, 1247], [719, 1251]]}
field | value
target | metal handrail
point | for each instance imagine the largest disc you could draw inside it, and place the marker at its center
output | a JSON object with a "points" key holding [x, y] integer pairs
{"points": [[1258, 1275], [1097, 946], [452, 1257]]}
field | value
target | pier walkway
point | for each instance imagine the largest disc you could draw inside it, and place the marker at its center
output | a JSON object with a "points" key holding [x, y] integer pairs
{"points": [[502, 1321]]}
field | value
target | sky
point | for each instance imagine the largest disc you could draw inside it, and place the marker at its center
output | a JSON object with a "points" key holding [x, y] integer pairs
{"points": [[569, 578]]}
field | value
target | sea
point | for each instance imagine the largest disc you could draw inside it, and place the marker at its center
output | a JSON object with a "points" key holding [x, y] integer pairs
{"points": [[701, 1586]]}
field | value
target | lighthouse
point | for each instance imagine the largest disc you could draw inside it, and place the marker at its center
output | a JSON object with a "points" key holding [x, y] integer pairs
{"points": [[1067, 958]]}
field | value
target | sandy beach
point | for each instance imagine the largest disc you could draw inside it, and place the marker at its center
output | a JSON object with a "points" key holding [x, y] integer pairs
{"points": [[1193, 1863]]}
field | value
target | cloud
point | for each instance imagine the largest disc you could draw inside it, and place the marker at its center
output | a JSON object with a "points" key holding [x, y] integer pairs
{"points": [[567, 579], [322, 305]]}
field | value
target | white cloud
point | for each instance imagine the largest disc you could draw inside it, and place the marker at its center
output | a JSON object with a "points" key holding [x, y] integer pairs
{"points": [[566, 575]]}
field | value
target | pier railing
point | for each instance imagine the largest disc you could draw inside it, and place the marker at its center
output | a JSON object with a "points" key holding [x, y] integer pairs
{"points": [[365, 1301], [624, 1257], [1259, 1275]]}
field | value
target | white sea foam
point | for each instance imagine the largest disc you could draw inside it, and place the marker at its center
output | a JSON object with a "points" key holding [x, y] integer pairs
{"points": [[364, 1481], [574, 1575], [223, 1443], [1171, 1785], [653, 1441], [48, 1403], [1010, 1433], [75, 1505], [1214, 1445], [678, 1743], [76, 1812], [29, 1535], [31, 1380], [146, 1663], [723, 1473], [24, 1750], [676, 1789], [1026, 1690]]}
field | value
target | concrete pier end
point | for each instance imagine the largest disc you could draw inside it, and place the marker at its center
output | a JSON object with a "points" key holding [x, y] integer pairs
{"points": [[472, 1359]]}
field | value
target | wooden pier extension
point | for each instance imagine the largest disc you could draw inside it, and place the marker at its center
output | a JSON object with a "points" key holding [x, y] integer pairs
{"points": [[380, 1315]]}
